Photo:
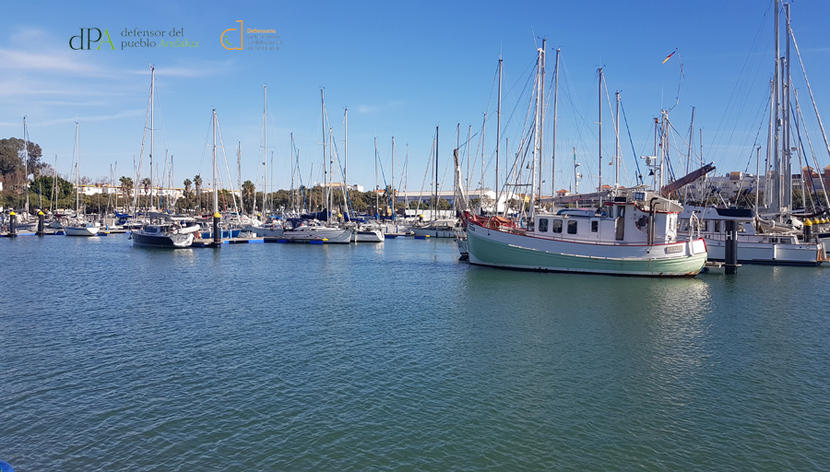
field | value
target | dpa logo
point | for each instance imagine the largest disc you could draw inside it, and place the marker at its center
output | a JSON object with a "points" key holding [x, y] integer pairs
{"points": [[90, 36]]}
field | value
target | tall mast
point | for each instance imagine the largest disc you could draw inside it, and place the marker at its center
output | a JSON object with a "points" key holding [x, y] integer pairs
{"points": [[239, 171], [653, 165], [291, 163], [77, 174], [392, 186], [346, 148], [481, 182], [377, 199], [576, 174], [689, 150], [264, 151], [541, 114], [330, 200], [599, 124], [498, 134], [776, 191], [405, 179], [555, 122], [323, 121], [787, 171], [617, 142], [26, 164], [215, 188], [757, 177], [152, 126], [435, 212], [536, 114], [457, 145]]}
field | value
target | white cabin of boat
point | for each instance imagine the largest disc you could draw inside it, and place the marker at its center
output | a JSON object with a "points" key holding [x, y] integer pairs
{"points": [[639, 219]]}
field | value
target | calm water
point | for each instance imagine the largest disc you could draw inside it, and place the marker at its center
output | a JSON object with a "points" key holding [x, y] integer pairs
{"points": [[398, 357]]}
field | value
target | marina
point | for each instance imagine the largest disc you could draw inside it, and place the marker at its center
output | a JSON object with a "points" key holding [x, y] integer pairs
{"points": [[315, 237]]}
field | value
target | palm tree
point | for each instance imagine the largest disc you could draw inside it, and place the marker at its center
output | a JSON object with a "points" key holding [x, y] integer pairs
{"points": [[198, 182], [145, 182], [248, 195], [126, 186], [187, 184]]}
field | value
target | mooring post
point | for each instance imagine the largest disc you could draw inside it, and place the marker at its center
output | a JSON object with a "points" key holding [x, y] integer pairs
{"points": [[12, 224], [731, 247], [808, 230], [40, 216], [217, 235]]}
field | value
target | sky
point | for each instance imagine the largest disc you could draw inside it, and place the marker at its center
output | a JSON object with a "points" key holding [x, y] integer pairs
{"points": [[401, 68]]}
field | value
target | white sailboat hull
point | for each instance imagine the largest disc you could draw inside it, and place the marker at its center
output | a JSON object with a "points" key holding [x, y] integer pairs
{"points": [[86, 231], [765, 252], [318, 234], [368, 236]]}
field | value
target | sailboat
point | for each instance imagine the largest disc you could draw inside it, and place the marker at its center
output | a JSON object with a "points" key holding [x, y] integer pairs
{"points": [[315, 231], [778, 236], [171, 233], [371, 232], [79, 226], [436, 227]]}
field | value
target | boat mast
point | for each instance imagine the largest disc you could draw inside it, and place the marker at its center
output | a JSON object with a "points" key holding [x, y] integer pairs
{"points": [[152, 126], [346, 152], [239, 172], [689, 151], [26, 164], [377, 201], [392, 186], [215, 188], [776, 191], [535, 136], [325, 176], [330, 201], [541, 115], [435, 212], [481, 182], [77, 175], [405, 179], [555, 122], [498, 133], [264, 152], [617, 142], [599, 125], [787, 156]]}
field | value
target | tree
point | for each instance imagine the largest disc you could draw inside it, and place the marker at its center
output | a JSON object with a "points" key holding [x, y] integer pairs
{"points": [[197, 181], [187, 183], [126, 186], [11, 160], [248, 196]]}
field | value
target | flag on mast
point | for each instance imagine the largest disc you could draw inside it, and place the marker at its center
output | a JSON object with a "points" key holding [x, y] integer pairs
{"points": [[669, 56]]}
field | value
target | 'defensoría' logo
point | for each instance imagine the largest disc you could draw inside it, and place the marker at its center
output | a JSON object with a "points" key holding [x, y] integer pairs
{"points": [[227, 42], [258, 39], [85, 40]]}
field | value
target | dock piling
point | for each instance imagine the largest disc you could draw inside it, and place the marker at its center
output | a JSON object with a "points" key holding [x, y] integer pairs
{"points": [[12, 224], [40, 217], [731, 257]]}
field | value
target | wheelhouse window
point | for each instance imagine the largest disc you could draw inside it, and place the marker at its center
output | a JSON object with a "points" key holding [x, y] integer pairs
{"points": [[557, 226], [717, 226], [594, 226], [572, 226], [543, 225]]}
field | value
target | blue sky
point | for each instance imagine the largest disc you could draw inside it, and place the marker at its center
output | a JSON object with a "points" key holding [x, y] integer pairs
{"points": [[402, 69]]}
